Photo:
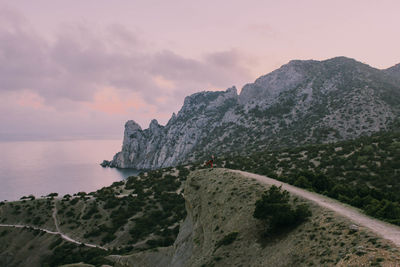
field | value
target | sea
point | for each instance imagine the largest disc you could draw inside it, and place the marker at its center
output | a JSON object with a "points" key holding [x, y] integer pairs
{"points": [[64, 167]]}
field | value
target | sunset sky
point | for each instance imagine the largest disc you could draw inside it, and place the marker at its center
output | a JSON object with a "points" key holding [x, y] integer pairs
{"points": [[80, 69]]}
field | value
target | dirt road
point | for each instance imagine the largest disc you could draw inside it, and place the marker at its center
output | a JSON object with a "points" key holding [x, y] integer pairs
{"points": [[385, 230]]}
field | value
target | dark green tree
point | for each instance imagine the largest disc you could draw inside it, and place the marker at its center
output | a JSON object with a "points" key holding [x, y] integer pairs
{"points": [[275, 209]]}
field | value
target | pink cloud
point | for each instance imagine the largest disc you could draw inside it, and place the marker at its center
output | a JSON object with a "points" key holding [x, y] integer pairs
{"points": [[109, 100], [162, 82], [30, 99]]}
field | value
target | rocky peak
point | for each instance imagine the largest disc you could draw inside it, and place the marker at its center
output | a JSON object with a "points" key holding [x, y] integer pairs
{"points": [[154, 124], [154, 127], [268, 87], [266, 90], [206, 100], [131, 126], [301, 65], [232, 91], [394, 71], [340, 60]]}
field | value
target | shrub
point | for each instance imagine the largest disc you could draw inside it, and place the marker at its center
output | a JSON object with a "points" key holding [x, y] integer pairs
{"points": [[74, 201], [227, 240], [275, 209], [5, 232]]}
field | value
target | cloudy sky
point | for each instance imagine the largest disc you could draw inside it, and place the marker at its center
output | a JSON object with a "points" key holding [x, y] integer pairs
{"points": [[81, 68]]}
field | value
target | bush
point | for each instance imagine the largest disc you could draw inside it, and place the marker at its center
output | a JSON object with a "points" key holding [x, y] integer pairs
{"points": [[5, 232], [275, 209], [227, 240], [74, 201]]}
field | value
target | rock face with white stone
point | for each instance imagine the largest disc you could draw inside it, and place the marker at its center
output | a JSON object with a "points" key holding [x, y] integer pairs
{"points": [[175, 142], [301, 102]]}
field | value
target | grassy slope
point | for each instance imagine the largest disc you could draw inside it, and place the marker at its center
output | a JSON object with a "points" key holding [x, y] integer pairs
{"points": [[224, 203], [21, 247], [221, 203]]}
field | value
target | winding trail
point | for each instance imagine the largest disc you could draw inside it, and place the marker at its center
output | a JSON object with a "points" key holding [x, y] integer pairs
{"points": [[385, 230], [58, 232], [55, 217]]}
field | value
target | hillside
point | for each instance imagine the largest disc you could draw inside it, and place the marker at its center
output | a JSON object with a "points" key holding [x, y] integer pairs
{"points": [[363, 172], [303, 102], [218, 203], [136, 214]]}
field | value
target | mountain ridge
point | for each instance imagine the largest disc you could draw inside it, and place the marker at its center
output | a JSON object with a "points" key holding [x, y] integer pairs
{"points": [[301, 102]]}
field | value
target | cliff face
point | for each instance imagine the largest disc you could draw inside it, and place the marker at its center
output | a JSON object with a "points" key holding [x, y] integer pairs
{"points": [[160, 146], [301, 102]]}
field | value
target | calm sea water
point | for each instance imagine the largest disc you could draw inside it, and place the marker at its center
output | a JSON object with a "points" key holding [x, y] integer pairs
{"points": [[40, 168]]}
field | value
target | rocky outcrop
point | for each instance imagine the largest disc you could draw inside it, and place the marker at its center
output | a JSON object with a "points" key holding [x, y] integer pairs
{"points": [[301, 102], [174, 143]]}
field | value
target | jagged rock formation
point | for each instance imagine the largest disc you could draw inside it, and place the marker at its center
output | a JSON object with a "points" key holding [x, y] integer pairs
{"points": [[301, 102]]}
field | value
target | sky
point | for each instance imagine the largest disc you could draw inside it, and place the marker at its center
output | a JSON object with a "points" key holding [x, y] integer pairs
{"points": [[81, 69]]}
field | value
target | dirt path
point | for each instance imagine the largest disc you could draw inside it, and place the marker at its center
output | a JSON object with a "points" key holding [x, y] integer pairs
{"points": [[63, 236], [58, 232], [55, 217], [385, 230]]}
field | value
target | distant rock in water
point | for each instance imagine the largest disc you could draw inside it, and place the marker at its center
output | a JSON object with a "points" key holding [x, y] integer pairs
{"points": [[301, 102], [105, 163]]}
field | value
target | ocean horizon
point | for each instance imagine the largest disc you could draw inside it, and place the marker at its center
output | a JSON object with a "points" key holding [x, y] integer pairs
{"points": [[57, 166]]}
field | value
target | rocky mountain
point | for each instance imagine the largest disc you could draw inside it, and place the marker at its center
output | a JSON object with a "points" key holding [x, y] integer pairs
{"points": [[302, 102]]}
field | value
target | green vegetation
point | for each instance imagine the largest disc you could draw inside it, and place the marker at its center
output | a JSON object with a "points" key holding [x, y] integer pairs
{"points": [[30, 197], [35, 212], [3, 233], [139, 213], [140, 207], [275, 209], [164, 207], [362, 172], [67, 253], [227, 240]]}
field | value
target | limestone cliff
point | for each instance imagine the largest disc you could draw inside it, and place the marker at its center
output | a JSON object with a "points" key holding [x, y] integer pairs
{"points": [[160, 146], [301, 102]]}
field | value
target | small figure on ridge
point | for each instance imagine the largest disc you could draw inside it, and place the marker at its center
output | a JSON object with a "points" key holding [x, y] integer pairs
{"points": [[210, 162]]}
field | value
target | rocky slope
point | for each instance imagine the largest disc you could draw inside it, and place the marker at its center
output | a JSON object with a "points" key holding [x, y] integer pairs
{"points": [[220, 203], [301, 102]]}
